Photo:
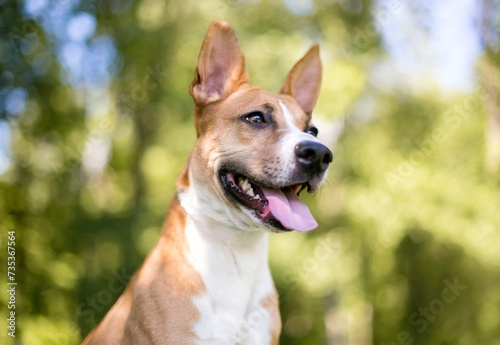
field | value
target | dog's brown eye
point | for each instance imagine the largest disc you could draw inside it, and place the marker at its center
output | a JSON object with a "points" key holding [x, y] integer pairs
{"points": [[255, 118]]}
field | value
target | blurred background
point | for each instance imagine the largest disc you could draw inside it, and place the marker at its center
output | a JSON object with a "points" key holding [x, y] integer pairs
{"points": [[96, 123]]}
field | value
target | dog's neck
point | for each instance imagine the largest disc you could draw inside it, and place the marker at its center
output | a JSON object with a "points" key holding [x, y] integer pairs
{"points": [[210, 225], [232, 262], [218, 251]]}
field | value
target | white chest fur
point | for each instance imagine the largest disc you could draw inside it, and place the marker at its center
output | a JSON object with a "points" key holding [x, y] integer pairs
{"points": [[234, 268]]}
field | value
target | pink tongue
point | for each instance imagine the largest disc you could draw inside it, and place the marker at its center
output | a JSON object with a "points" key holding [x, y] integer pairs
{"points": [[289, 210]]}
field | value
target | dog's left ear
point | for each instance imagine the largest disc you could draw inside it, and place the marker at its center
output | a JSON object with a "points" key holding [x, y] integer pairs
{"points": [[221, 65], [303, 82]]}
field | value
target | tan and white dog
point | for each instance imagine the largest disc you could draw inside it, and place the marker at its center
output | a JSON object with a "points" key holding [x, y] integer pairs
{"points": [[207, 281]]}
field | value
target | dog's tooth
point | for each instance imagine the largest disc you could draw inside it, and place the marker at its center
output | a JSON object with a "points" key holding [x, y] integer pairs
{"points": [[251, 192]]}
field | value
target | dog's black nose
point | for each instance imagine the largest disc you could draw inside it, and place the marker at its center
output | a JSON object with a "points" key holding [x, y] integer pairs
{"points": [[313, 156]]}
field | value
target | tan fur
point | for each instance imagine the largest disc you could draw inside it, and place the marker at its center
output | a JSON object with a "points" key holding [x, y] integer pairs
{"points": [[159, 297], [183, 178], [271, 304]]}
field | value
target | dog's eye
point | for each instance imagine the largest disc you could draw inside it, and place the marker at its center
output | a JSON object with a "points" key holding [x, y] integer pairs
{"points": [[313, 131], [256, 118]]}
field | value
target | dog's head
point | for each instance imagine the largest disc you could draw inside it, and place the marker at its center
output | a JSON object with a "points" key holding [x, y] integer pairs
{"points": [[256, 151]]}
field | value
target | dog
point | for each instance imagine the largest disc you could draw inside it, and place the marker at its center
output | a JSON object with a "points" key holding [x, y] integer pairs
{"points": [[207, 280]]}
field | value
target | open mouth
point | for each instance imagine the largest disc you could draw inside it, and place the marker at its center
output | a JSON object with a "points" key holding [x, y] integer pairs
{"points": [[278, 207]]}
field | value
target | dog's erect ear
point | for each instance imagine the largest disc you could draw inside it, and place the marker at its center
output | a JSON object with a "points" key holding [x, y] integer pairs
{"points": [[221, 65], [303, 82]]}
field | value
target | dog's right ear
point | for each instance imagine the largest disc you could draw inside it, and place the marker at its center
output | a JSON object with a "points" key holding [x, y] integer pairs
{"points": [[221, 66]]}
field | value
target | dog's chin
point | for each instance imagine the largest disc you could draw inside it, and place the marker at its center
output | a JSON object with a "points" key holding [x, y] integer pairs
{"points": [[249, 195]]}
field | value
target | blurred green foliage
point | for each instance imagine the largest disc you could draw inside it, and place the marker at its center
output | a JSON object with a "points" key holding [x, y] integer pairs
{"points": [[410, 207]]}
